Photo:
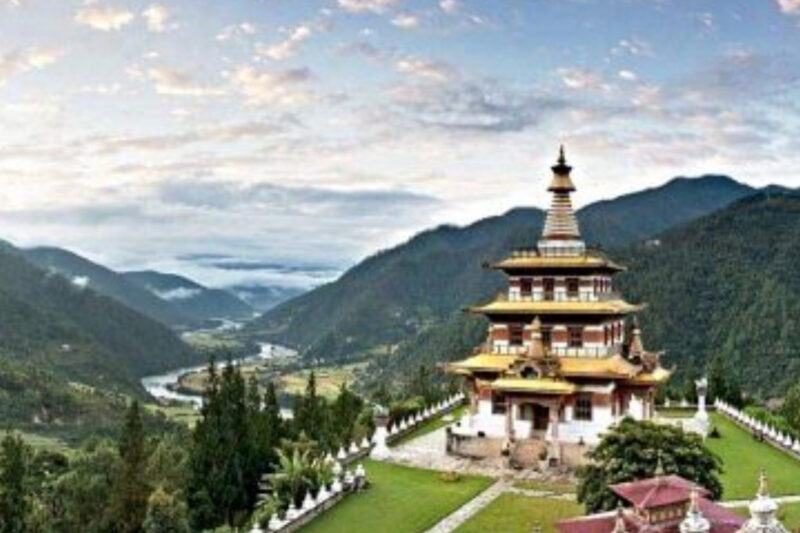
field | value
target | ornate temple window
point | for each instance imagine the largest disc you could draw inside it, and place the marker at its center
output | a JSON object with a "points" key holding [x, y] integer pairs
{"points": [[573, 287], [549, 288], [525, 288], [583, 407], [515, 331], [547, 336], [498, 404], [575, 336]]}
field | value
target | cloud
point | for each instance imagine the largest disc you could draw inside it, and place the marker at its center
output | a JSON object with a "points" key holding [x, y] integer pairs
{"points": [[273, 87], [628, 75], [177, 294], [476, 107], [425, 69], [449, 6], [103, 17], [304, 201], [579, 78], [216, 134], [81, 281], [366, 6], [236, 30], [407, 21], [20, 61], [634, 47], [705, 18], [156, 17], [789, 7], [172, 82], [288, 47]]}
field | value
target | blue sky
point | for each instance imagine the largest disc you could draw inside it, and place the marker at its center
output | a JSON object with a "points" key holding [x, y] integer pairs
{"points": [[145, 134]]}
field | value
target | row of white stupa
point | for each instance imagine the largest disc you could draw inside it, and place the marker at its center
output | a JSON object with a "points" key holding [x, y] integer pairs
{"points": [[343, 480], [350, 480], [398, 427], [421, 416], [749, 421]]}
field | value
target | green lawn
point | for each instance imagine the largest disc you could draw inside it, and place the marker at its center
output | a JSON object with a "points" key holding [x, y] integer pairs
{"points": [[549, 486], [432, 425], [743, 458], [400, 500], [788, 513], [514, 513]]}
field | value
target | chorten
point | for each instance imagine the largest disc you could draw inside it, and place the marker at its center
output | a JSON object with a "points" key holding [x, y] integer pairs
{"points": [[557, 364]]}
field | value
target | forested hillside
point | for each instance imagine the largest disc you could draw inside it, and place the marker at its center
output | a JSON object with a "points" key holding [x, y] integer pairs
{"points": [[191, 298], [78, 333], [395, 294], [105, 281], [728, 283]]}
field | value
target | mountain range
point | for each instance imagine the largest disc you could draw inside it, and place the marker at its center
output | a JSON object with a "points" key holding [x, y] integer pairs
{"points": [[407, 301], [400, 292]]}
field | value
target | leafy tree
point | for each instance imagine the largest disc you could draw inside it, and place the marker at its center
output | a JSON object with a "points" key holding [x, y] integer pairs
{"points": [[131, 488], [14, 502], [345, 412], [631, 450], [80, 494], [689, 386], [790, 409], [165, 513]]}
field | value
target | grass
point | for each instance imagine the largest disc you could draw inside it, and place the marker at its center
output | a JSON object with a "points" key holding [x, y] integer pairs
{"points": [[329, 379], [432, 425], [43, 442], [743, 458], [788, 513], [515, 513], [548, 486], [184, 414], [400, 500]]}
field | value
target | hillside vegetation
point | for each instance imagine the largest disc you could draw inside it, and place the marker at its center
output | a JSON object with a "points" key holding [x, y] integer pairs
{"points": [[396, 294]]}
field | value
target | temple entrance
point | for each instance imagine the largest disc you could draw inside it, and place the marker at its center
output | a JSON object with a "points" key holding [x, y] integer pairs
{"points": [[541, 417]]}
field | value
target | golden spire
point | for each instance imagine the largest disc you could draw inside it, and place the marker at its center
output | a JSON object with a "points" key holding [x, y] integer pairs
{"points": [[560, 223]]}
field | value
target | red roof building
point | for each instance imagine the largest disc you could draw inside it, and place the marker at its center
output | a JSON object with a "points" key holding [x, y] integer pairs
{"points": [[658, 505]]}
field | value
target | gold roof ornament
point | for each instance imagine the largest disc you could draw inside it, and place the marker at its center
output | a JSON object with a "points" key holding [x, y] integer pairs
{"points": [[636, 349], [560, 223], [536, 349]]}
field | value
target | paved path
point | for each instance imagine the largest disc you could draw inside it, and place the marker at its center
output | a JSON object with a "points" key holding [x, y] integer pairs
{"points": [[469, 509], [428, 451]]}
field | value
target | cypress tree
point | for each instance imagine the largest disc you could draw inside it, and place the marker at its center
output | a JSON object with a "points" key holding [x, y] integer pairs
{"points": [[131, 489], [14, 503]]}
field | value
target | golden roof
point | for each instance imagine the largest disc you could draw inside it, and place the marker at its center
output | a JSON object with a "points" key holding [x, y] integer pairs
{"points": [[543, 261], [538, 385], [486, 362], [608, 367], [552, 307], [658, 375]]}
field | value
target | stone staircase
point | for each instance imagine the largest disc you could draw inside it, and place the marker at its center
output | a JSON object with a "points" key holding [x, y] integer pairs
{"points": [[526, 452]]}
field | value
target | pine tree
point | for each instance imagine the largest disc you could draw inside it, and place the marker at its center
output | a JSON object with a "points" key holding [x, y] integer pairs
{"points": [[14, 503], [131, 489], [717, 381]]}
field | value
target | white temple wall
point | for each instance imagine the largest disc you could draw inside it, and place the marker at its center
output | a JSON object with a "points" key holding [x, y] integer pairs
{"points": [[589, 431]]}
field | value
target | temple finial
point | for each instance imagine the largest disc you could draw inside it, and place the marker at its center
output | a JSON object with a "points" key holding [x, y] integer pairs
{"points": [[763, 485], [619, 523], [694, 507], [659, 466], [561, 157]]}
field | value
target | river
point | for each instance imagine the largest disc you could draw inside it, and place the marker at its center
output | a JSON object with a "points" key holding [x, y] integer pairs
{"points": [[161, 386]]}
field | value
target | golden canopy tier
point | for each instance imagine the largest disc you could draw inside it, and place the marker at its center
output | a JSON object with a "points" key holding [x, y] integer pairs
{"points": [[544, 307]]}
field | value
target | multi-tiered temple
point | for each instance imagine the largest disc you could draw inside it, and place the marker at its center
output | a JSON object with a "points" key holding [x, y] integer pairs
{"points": [[562, 361]]}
